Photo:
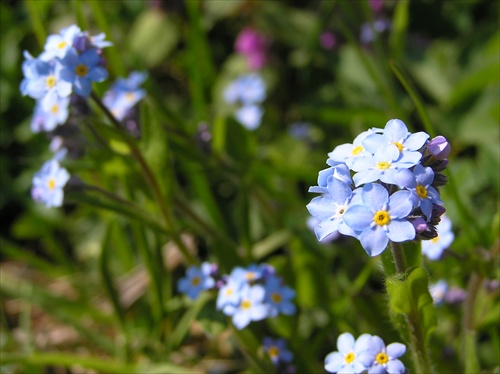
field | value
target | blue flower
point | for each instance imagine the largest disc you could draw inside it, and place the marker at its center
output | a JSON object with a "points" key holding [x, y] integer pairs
{"points": [[48, 184], [58, 44], [250, 116], [249, 275], [329, 209], [349, 152], [396, 134], [250, 308], [43, 82], [383, 165], [197, 279], [277, 351], [47, 120], [338, 170], [124, 94], [380, 218], [419, 183], [246, 89], [278, 297], [229, 294], [380, 359], [347, 358], [438, 291], [82, 70], [433, 248]]}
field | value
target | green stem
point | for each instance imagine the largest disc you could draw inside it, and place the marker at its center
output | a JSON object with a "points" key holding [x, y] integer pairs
{"points": [[150, 178], [399, 257], [469, 337]]}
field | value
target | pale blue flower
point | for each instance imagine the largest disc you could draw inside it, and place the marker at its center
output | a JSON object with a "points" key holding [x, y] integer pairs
{"points": [[247, 275], [250, 308], [229, 294], [277, 351], [383, 165], [433, 248], [347, 153], [396, 134], [438, 291], [58, 44], [347, 358], [419, 182], [380, 218], [329, 209], [124, 94], [47, 120], [197, 280], [82, 70], [250, 116], [48, 184], [337, 170], [380, 359], [278, 297], [246, 89]]}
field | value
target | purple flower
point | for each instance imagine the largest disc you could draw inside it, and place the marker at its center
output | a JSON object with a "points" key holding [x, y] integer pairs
{"points": [[253, 45], [82, 70], [327, 40], [439, 147]]}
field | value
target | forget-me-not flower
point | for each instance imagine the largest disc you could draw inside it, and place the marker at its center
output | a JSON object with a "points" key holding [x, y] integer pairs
{"points": [[246, 89], [349, 152], [47, 120], [380, 218], [250, 308], [419, 182], [82, 70], [338, 170], [197, 280], [124, 94], [278, 297], [433, 248], [277, 351], [58, 44], [48, 184], [347, 358], [380, 359]]}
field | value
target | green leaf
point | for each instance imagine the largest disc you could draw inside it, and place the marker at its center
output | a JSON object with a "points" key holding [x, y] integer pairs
{"points": [[182, 327], [152, 37]]}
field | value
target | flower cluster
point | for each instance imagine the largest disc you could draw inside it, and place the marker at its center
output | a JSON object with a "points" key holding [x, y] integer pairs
{"points": [[393, 194], [368, 352], [247, 294], [71, 61], [249, 91]]}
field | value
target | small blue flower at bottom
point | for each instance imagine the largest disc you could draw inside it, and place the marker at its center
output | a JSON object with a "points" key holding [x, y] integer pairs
{"points": [[346, 359], [48, 184], [197, 279], [276, 349], [380, 218], [380, 359]]}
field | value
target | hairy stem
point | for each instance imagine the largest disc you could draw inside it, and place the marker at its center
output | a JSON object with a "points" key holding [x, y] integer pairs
{"points": [[399, 257]]}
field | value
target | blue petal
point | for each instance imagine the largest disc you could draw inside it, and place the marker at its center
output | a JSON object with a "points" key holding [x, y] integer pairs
{"points": [[345, 343], [400, 204], [322, 207], [98, 74], [375, 196], [366, 176], [358, 217], [333, 362], [374, 240], [326, 228], [395, 130], [372, 143], [416, 141], [400, 231], [89, 58], [396, 367], [340, 191], [405, 179], [395, 350]]}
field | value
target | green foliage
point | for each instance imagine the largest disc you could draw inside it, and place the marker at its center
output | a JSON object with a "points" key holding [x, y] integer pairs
{"points": [[94, 284]]}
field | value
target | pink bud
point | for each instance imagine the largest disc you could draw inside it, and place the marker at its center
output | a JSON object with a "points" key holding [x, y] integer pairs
{"points": [[419, 224]]}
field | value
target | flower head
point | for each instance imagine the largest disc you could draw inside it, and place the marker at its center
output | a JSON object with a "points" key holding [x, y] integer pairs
{"points": [[278, 297], [347, 358], [48, 184], [380, 218], [253, 45], [379, 359], [250, 308], [197, 279], [47, 120], [277, 351], [124, 94], [247, 89], [58, 44]]}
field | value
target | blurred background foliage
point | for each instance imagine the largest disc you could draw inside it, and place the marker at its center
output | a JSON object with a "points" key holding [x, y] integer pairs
{"points": [[91, 286]]}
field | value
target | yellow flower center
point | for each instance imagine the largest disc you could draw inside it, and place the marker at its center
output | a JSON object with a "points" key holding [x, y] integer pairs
{"points": [[229, 292], [381, 218], [62, 45], [51, 183], [276, 297], [129, 96], [50, 81], [246, 304], [382, 165], [357, 150], [54, 109], [435, 240], [273, 351], [250, 276], [399, 145], [349, 357], [195, 281], [421, 191], [81, 70], [382, 358]]}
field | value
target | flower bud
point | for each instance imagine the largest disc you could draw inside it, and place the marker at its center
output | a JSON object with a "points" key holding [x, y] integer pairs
{"points": [[327, 40], [439, 147], [82, 42]]}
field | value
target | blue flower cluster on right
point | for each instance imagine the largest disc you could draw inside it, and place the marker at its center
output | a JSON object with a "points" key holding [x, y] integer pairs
{"points": [[393, 192]]}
